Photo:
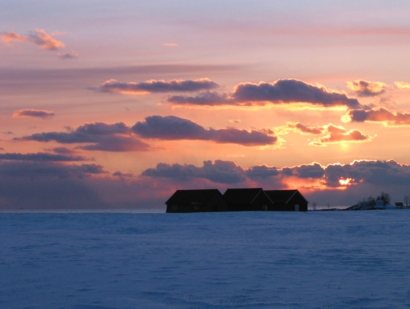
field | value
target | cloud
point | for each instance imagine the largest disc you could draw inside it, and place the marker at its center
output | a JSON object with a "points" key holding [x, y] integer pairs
{"points": [[24, 113], [365, 88], [291, 91], [13, 36], [40, 157], [67, 55], [48, 185], [323, 183], [305, 129], [370, 172], [155, 86], [98, 136], [205, 98], [175, 128], [338, 134], [220, 172], [402, 85], [261, 172], [62, 150], [314, 170], [381, 115], [39, 37], [119, 174], [284, 91]]}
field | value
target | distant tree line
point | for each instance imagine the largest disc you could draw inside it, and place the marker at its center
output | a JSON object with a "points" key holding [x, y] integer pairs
{"points": [[371, 201]]}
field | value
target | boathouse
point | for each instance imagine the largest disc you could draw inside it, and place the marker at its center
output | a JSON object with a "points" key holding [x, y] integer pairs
{"points": [[287, 200], [247, 199], [196, 201]]}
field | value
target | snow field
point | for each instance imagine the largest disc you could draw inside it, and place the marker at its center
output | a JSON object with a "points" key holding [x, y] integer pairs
{"points": [[207, 260]]}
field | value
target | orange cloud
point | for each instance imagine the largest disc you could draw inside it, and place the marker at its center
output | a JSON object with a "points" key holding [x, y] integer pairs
{"points": [[402, 85], [338, 134], [305, 129], [381, 115], [365, 88]]}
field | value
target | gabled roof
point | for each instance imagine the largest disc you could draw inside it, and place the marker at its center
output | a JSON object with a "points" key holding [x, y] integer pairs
{"points": [[282, 196], [193, 196], [242, 196]]}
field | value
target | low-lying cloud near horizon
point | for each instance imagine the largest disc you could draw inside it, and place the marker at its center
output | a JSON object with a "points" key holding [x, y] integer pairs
{"points": [[38, 181]]}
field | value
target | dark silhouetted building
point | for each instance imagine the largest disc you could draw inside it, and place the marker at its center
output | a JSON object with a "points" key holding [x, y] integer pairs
{"points": [[252, 199], [196, 201], [287, 200]]}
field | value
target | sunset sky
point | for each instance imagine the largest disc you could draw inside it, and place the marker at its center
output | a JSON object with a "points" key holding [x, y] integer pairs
{"points": [[117, 104]]}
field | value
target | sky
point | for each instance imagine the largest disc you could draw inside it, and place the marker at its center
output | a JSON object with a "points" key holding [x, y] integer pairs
{"points": [[116, 105]]}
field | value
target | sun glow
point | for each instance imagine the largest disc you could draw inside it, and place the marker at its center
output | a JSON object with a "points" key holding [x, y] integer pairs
{"points": [[345, 182]]}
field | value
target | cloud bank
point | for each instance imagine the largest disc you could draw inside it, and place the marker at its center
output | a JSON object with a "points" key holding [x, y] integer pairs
{"points": [[98, 136], [157, 86], [175, 128], [227, 172], [380, 115], [284, 91]]}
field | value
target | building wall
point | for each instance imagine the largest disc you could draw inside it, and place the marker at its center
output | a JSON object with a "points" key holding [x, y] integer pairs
{"points": [[261, 201]]}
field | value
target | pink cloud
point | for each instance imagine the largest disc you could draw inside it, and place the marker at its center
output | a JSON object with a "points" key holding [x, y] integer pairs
{"points": [[338, 134], [39, 37], [35, 113]]}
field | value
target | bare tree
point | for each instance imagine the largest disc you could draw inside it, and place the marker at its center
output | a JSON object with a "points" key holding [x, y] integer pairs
{"points": [[385, 197], [406, 200]]}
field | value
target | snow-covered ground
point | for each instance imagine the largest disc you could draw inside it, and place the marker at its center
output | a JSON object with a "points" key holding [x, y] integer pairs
{"points": [[215, 260]]}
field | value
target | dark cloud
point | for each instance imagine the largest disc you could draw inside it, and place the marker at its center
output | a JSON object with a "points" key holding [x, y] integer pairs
{"points": [[365, 88], [175, 128], [119, 174], [306, 129], [23, 113], [68, 55], [305, 171], [154, 86], [220, 172], [204, 98], [39, 37], [98, 136], [47, 185], [40, 157], [261, 172], [285, 91], [291, 91], [381, 115], [370, 172], [62, 150]]}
